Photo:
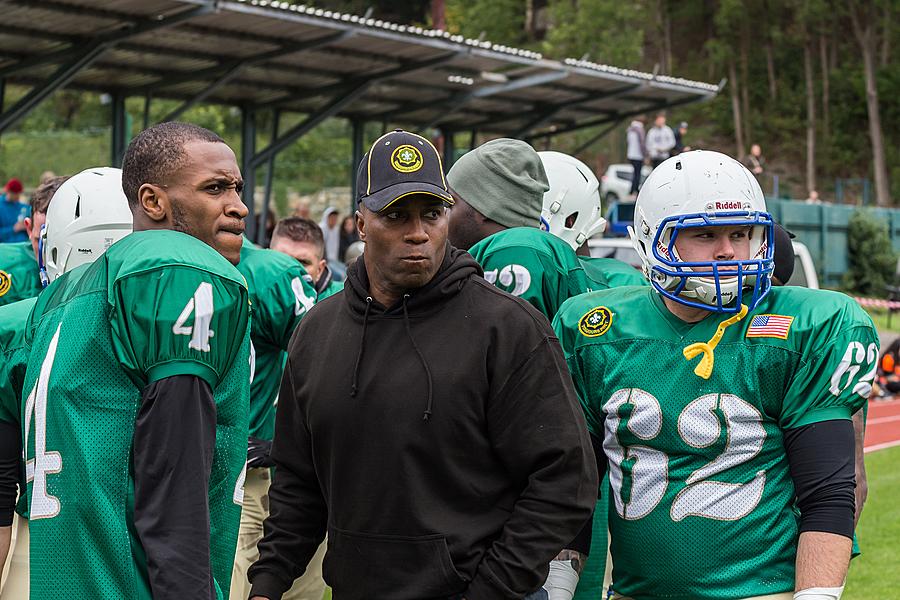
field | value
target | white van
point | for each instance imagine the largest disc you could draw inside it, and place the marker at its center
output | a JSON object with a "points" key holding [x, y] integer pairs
{"points": [[621, 249]]}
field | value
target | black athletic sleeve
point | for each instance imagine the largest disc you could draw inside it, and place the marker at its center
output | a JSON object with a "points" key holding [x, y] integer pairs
{"points": [[582, 541], [174, 441], [821, 457], [10, 456]]}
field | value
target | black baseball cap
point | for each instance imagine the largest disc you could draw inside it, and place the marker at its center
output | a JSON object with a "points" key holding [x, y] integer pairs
{"points": [[400, 164]]}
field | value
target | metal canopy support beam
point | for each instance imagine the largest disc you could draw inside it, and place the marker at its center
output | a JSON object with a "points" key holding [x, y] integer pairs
{"points": [[270, 176], [86, 56], [60, 78], [338, 88], [603, 133], [313, 119], [449, 150], [248, 149], [227, 71], [615, 117], [557, 108], [458, 101], [359, 127], [148, 98], [119, 132]]}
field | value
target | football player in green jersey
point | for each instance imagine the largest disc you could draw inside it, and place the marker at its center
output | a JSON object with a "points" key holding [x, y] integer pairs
{"points": [[722, 404], [19, 276], [88, 213], [136, 415], [571, 212], [499, 189], [281, 294], [302, 238]]}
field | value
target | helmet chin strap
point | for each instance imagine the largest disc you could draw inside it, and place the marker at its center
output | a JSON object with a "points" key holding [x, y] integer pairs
{"points": [[45, 278], [705, 367]]}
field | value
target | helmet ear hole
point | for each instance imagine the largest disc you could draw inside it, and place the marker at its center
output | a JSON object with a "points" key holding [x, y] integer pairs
{"points": [[570, 220], [53, 255]]}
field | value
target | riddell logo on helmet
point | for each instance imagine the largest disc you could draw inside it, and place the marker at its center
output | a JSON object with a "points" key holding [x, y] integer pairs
{"points": [[729, 205]]}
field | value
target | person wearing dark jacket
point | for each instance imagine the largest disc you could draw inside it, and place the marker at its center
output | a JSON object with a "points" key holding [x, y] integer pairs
{"points": [[448, 458]]}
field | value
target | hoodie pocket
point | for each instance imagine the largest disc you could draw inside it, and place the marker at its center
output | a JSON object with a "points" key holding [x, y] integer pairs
{"points": [[363, 565]]}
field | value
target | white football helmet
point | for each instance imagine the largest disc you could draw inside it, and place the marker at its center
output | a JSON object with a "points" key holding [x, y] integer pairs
{"points": [[701, 189], [574, 192], [87, 215]]}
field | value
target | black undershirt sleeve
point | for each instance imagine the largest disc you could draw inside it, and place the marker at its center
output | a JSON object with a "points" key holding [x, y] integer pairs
{"points": [[821, 457], [582, 541], [10, 457], [174, 442]]}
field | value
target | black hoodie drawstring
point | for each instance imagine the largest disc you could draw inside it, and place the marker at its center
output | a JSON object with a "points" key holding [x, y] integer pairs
{"points": [[427, 414], [362, 345]]}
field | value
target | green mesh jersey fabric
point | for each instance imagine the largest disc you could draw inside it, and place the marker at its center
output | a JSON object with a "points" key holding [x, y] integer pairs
{"points": [[333, 288], [19, 276], [281, 294], [605, 273], [532, 264], [155, 305], [13, 362], [702, 499]]}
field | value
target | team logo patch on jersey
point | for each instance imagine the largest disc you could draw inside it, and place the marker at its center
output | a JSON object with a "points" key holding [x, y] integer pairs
{"points": [[5, 282], [595, 322], [406, 159], [770, 326]]}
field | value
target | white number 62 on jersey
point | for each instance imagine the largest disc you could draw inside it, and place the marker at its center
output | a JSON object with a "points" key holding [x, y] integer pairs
{"points": [[855, 357]]}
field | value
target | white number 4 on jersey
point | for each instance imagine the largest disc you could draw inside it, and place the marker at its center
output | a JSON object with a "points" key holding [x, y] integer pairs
{"points": [[201, 305]]}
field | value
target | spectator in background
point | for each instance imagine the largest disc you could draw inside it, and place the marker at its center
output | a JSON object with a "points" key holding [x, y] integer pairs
{"points": [[47, 176], [637, 151], [660, 141], [13, 213], [756, 162], [679, 139], [302, 210], [348, 236], [331, 230], [813, 197]]}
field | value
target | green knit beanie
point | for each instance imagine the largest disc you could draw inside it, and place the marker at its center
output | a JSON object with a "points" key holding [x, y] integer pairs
{"points": [[504, 180]]}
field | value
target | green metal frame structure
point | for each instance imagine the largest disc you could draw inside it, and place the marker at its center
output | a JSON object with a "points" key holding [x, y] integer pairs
{"points": [[262, 55]]}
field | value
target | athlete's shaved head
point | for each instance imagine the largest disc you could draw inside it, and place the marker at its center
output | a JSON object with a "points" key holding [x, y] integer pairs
{"points": [[158, 152]]}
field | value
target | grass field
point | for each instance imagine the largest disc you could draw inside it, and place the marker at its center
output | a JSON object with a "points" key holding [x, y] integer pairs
{"points": [[879, 317], [876, 573]]}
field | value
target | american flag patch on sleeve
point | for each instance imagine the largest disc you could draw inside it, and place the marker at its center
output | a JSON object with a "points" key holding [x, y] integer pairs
{"points": [[773, 326]]}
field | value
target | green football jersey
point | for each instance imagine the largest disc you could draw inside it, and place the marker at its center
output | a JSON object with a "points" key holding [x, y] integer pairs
{"points": [[702, 499], [13, 362], [280, 294], [155, 305], [605, 273], [333, 288], [532, 264], [19, 275]]}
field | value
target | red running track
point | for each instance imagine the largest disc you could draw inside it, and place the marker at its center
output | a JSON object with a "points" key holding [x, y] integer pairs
{"points": [[883, 425]]}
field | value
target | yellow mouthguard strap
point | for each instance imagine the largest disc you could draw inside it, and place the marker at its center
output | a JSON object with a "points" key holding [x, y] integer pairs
{"points": [[705, 368]]}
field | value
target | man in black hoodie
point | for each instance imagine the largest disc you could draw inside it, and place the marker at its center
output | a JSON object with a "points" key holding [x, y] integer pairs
{"points": [[451, 458]]}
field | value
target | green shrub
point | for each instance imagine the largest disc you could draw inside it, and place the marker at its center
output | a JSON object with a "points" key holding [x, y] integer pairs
{"points": [[871, 262]]}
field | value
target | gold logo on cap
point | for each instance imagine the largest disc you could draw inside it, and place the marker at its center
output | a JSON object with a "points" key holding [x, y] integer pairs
{"points": [[406, 159], [5, 282], [595, 322]]}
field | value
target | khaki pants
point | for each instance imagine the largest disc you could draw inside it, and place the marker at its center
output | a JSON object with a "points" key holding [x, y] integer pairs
{"points": [[15, 582], [784, 596], [310, 586]]}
